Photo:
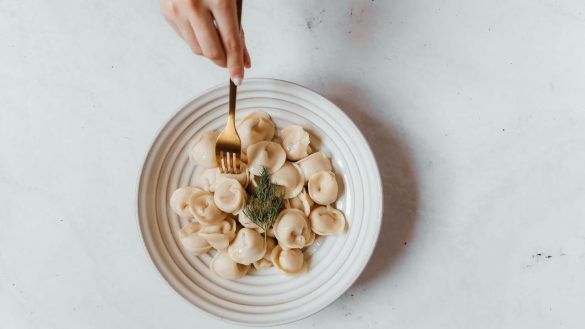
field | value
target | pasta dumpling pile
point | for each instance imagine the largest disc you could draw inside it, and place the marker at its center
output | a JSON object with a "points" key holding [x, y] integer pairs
{"points": [[213, 208]]}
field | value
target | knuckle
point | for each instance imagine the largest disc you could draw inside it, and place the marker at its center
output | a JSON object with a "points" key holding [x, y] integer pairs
{"points": [[214, 55], [174, 8], [192, 5], [233, 46]]}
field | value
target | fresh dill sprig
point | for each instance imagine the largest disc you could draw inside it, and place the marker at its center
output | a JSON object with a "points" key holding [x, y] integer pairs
{"points": [[263, 206]]}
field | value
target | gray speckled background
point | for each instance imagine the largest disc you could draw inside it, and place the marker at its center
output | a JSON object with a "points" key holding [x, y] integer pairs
{"points": [[475, 111]]}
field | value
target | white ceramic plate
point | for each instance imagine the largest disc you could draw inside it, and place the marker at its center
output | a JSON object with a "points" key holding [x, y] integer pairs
{"points": [[265, 297]]}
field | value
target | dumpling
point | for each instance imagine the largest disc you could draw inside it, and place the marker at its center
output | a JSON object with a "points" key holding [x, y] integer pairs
{"points": [[295, 141], [302, 202], [229, 196], [290, 262], [314, 163], [243, 177], [291, 178], [254, 128], [247, 223], [205, 178], [225, 267], [180, 200], [204, 210], [323, 187], [192, 242], [266, 261], [203, 152], [248, 247], [327, 221], [292, 229], [219, 236], [265, 154]]}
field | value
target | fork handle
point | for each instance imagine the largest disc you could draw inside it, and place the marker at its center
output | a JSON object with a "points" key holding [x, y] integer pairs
{"points": [[233, 87], [232, 104]]}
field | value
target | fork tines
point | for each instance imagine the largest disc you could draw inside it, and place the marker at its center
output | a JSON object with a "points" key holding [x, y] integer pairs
{"points": [[230, 163]]}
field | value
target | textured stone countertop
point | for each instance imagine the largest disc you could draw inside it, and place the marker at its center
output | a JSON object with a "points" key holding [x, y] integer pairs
{"points": [[475, 111]]}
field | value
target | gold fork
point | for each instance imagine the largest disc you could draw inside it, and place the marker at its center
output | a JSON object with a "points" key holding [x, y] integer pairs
{"points": [[228, 147]]}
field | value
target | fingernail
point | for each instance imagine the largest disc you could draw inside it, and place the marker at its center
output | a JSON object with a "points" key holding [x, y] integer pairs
{"points": [[237, 81]]}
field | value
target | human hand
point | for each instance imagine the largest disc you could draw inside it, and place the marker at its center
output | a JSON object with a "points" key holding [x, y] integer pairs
{"points": [[211, 29]]}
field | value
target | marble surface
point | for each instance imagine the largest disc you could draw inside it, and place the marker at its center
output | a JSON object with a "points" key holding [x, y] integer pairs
{"points": [[475, 111]]}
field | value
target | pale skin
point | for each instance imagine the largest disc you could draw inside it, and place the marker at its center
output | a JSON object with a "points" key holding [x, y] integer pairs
{"points": [[211, 29]]}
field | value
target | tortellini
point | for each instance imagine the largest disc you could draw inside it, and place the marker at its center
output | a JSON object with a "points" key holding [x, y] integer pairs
{"points": [[208, 178], [203, 152], [247, 223], [210, 210], [220, 235], [291, 261], [266, 261], [229, 196], [254, 128], [205, 178], [224, 266], [192, 242], [204, 210], [243, 177], [302, 202], [295, 141], [326, 220], [292, 229], [248, 247], [269, 155], [291, 178], [180, 200], [314, 163], [323, 187]]}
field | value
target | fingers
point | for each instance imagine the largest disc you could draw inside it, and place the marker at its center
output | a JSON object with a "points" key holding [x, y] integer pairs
{"points": [[208, 37], [225, 14], [187, 33], [174, 26], [172, 14], [211, 29], [168, 11]]}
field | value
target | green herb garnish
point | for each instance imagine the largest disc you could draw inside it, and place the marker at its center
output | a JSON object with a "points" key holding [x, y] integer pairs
{"points": [[263, 206]]}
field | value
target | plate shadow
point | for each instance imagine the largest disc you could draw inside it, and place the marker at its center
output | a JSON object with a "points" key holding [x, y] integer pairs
{"points": [[399, 180]]}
